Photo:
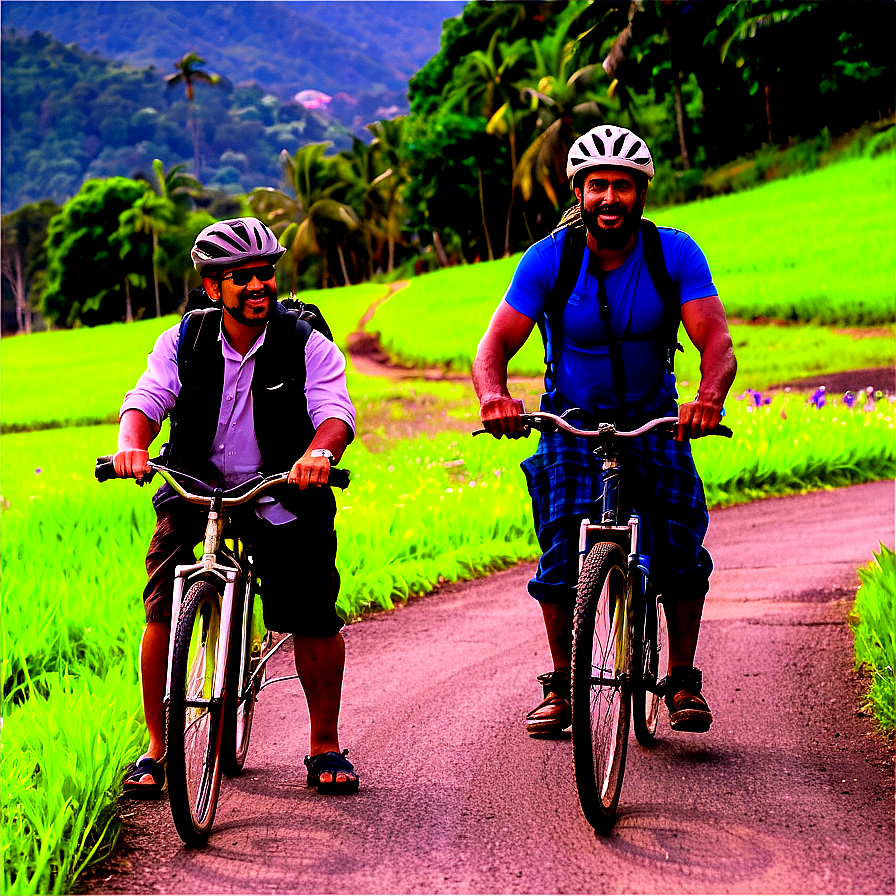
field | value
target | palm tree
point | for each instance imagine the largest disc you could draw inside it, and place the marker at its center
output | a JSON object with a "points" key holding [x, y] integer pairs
{"points": [[311, 221], [150, 214], [179, 189], [387, 173], [189, 72], [563, 94], [175, 186], [485, 88]]}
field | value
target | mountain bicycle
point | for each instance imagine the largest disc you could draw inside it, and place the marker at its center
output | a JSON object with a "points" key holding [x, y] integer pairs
{"points": [[620, 637], [218, 650]]}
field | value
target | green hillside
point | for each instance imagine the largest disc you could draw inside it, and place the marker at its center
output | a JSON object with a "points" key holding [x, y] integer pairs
{"points": [[69, 115]]}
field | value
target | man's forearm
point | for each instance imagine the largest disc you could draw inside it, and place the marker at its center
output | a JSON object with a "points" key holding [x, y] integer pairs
{"points": [[334, 435], [135, 431], [490, 374], [718, 367]]}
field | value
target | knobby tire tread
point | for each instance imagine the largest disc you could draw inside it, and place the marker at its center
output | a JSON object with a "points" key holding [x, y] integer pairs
{"points": [[235, 738], [192, 827], [603, 561]]}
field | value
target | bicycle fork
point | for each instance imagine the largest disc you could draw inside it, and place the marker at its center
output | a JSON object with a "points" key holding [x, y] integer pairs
{"points": [[229, 575], [628, 537]]}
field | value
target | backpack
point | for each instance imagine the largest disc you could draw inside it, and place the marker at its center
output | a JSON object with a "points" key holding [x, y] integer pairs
{"points": [[567, 274]]}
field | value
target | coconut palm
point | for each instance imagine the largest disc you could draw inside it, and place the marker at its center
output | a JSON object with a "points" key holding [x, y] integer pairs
{"points": [[310, 221], [150, 214], [189, 72], [561, 94]]}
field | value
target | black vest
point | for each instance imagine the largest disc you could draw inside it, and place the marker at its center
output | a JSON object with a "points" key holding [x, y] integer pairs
{"points": [[283, 427]]}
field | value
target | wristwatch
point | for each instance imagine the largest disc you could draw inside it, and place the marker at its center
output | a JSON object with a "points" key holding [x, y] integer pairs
{"points": [[323, 452]]}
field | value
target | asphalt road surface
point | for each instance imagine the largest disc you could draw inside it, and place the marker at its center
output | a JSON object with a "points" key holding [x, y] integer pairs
{"points": [[790, 792]]}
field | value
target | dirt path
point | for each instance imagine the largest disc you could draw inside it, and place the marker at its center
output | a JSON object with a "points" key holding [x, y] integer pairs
{"points": [[790, 792]]}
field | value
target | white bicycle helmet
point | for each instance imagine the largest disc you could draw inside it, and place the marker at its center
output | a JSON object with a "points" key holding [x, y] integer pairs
{"points": [[609, 144], [233, 242]]}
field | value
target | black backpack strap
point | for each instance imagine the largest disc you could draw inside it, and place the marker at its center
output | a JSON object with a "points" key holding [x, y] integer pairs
{"points": [[191, 327], [668, 289], [555, 302]]}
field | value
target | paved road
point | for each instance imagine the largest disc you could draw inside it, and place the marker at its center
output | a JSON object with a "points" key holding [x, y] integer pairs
{"points": [[790, 792]]}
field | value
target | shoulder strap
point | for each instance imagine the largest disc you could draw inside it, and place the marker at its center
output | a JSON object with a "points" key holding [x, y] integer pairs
{"points": [[668, 289], [656, 263], [555, 302], [188, 335]]}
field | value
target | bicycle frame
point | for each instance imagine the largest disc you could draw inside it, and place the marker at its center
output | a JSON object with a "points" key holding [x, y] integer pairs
{"points": [[609, 506], [231, 574]]}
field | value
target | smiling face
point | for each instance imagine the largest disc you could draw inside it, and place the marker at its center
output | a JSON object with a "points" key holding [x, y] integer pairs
{"points": [[611, 206], [248, 292]]}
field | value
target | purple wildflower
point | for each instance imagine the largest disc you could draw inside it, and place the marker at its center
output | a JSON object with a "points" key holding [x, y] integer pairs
{"points": [[38, 471], [849, 399], [817, 398]]}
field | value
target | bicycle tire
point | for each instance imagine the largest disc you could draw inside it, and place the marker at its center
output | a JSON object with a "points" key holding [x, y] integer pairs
{"points": [[194, 728], [650, 658], [601, 703], [239, 705]]}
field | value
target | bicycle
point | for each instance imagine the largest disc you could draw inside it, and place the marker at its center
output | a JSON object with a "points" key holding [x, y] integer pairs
{"points": [[620, 638], [218, 651]]}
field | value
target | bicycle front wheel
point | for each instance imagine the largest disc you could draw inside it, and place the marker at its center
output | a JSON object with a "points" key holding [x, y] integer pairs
{"points": [[601, 683], [650, 659], [194, 719], [239, 706]]}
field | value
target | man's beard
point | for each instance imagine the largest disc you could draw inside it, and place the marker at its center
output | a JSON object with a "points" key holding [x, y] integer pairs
{"points": [[238, 312], [618, 237]]}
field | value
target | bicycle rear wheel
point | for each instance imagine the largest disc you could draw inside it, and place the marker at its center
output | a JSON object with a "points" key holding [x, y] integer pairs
{"points": [[601, 683], [239, 706], [650, 648], [194, 719]]}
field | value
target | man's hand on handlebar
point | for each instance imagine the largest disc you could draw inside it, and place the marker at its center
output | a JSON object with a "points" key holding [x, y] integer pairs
{"points": [[697, 418], [131, 463], [501, 417], [309, 471]]}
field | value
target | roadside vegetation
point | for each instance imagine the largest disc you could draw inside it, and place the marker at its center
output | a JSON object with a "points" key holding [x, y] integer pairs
{"points": [[872, 623], [420, 511]]}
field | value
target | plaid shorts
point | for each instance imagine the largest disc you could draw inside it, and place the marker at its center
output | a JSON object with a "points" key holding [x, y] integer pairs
{"points": [[565, 478]]}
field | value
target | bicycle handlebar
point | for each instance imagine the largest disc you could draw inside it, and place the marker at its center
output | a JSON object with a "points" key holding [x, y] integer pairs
{"points": [[339, 478], [546, 422]]}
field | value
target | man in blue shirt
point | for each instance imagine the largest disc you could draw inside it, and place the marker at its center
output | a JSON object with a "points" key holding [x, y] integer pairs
{"points": [[614, 302]]}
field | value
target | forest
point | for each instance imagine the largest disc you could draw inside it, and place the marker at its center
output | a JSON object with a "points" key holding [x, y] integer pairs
{"points": [[726, 94]]}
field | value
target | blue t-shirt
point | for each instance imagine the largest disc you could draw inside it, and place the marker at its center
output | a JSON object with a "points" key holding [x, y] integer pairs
{"points": [[583, 372]]}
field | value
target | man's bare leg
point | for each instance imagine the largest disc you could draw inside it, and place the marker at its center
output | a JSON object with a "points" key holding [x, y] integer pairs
{"points": [[320, 664]]}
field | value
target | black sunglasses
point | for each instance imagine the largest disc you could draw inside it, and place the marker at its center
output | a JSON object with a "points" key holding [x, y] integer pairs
{"points": [[244, 276]]}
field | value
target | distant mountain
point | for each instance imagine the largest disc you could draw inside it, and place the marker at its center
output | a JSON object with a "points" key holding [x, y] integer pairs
{"points": [[359, 53]]}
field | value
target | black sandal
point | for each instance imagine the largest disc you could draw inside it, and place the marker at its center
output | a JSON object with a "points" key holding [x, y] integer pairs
{"points": [[145, 765], [333, 763]]}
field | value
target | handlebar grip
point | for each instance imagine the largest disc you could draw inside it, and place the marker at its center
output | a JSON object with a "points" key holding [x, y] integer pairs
{"points": [[104, 469], [339, 477]]}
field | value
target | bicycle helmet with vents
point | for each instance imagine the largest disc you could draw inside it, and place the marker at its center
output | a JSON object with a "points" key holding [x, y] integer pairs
{"points": [[609, 145], [233, 242]]}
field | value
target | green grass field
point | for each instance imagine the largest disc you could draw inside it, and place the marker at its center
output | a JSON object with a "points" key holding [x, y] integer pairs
{"points": [[427, 504], [782, 251]]}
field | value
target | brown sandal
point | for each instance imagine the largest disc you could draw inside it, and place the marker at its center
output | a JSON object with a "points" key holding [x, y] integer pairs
{"points": [[554, 714], [688, 710]]}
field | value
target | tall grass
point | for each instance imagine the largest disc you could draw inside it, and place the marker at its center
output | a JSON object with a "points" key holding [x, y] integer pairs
{"points": [[875, 640], [423, 511], [79, 377], [785, 250]]}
